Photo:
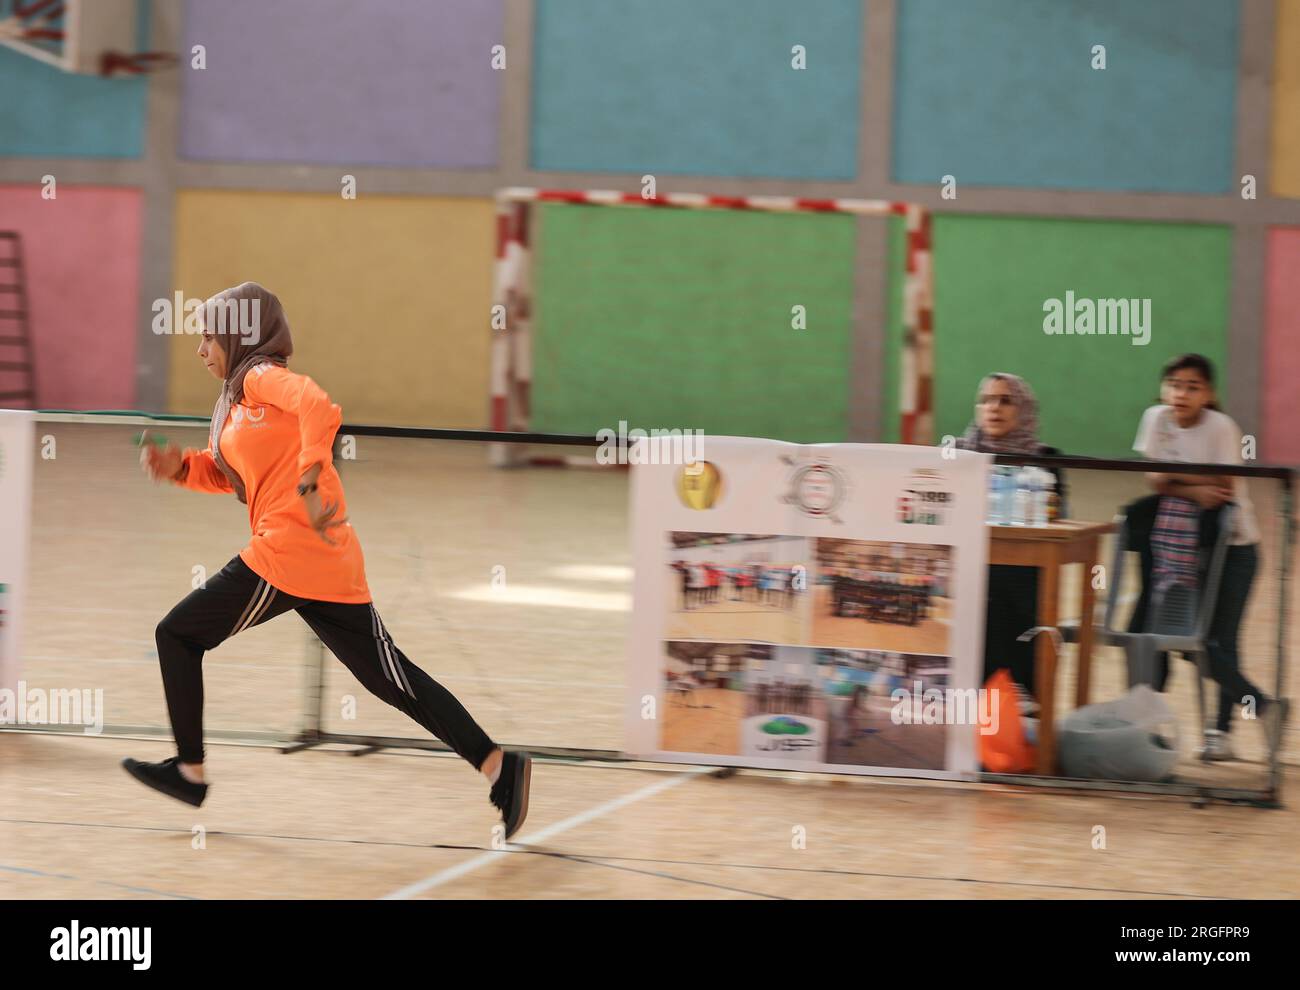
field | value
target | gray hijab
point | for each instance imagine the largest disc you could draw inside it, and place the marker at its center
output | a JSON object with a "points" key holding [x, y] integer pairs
{"points": [[1021, 438], [249, 323]]}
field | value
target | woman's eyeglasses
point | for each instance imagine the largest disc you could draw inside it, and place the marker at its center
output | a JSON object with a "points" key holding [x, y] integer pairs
{"points": [[997, 400], [1183, 385]]}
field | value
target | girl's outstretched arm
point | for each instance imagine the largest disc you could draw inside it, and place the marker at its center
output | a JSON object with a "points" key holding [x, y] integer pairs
{"points": [[200, 473], [189, 468]]}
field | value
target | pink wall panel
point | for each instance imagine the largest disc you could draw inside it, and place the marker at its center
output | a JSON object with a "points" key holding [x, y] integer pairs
{"points": [[82, 252], [1281, 439]]}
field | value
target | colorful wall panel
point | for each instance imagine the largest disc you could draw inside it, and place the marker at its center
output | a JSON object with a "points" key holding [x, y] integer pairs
{"points": [[1286, 101], [386, 82], [82, 255], [685, 319], [1003, 93], [694, 88], [1281, 439], [992, 279], [46, 112], [388, 297]]}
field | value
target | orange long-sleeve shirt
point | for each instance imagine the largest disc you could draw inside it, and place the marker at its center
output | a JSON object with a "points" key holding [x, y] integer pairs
{"points": [[284, 424]]}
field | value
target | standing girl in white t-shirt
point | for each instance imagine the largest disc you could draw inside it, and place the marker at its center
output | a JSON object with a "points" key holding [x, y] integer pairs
{"points": [[1188, 426]]}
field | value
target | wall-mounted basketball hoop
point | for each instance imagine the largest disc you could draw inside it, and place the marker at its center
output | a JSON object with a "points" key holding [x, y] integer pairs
{"points": [[94, 37]]}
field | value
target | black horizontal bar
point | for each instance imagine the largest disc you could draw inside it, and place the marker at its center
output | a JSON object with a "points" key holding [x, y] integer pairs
{"points": [[480, 436], [1278, 471], [361, 430]]}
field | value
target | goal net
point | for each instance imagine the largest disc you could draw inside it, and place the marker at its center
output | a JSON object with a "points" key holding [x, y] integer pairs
{"points": [[729, 314]]}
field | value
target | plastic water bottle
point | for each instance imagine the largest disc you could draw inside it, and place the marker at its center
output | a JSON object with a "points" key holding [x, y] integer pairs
{"points": [[1023, 498], [996, 483], [1042, 493], [1005, 495]]}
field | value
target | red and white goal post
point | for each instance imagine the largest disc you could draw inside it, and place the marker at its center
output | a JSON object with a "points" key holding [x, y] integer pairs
{"points": [[512, 298]]}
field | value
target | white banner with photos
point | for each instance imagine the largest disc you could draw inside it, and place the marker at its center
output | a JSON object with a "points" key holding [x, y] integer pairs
{"points": [[814, 607]]}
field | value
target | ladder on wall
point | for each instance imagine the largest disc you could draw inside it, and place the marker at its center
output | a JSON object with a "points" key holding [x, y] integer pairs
{"points": [[16, 358]]}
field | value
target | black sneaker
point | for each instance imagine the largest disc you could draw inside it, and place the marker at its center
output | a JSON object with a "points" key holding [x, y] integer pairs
{"points": [[510, 792], [166, 777]]}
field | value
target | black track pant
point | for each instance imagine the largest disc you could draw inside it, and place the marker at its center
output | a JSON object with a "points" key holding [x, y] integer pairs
{"points": [[236, 599]]}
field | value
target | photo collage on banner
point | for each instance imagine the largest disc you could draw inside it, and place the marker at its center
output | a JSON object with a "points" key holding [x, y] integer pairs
{"points": [[813, 607]]}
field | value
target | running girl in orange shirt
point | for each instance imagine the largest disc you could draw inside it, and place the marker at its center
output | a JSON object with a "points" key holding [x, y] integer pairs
{"points": [[270, 444]]}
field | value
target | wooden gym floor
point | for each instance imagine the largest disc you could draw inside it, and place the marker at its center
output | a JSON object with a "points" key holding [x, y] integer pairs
{"points": [[539, 662]]}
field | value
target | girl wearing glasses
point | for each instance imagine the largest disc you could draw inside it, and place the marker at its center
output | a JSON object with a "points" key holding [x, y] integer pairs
{"points": [[1188, 426]]}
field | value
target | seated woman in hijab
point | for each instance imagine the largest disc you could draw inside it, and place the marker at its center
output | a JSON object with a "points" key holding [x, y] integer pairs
{"points": [[1006, 422]]}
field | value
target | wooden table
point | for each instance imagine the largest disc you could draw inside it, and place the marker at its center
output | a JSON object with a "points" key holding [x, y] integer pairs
{"points": [[1048, 548]]}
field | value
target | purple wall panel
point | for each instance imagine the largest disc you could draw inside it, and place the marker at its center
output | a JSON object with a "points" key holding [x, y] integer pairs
{"points": [[384, 82]]}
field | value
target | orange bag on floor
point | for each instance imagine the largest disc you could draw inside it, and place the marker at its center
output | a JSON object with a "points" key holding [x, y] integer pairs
{"points": [[1007, 750]]}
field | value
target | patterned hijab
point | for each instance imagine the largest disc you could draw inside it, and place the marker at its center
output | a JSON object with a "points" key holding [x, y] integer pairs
{"points": [[250, 326], [1021, 438]]}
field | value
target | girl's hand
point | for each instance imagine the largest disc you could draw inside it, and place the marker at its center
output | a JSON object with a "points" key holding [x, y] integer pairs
{"points": [[160, 463], [1227, 492], [1208, 496], [319, 512]]}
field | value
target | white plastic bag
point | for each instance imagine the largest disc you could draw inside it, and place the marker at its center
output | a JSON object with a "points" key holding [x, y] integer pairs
{"points": [[1131, 738]]}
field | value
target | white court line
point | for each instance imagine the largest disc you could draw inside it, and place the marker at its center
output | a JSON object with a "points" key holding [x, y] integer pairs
{"points": [[469, 866]]}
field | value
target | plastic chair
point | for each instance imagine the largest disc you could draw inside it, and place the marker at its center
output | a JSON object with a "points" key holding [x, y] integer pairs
{"points": [[1178, 619]]}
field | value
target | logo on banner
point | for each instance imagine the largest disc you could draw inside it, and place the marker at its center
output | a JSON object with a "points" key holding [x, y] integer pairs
{"points": [[817, 488], [802, 739], [699, 485], [925, 501]]}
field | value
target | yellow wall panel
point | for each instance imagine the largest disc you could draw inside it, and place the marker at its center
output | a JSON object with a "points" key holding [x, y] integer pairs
{"points": [[387, 296], [1286, 101]]}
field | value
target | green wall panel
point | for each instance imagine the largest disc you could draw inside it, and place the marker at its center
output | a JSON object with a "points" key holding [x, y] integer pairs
{"points": [[992, 277], [682, 319]]}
